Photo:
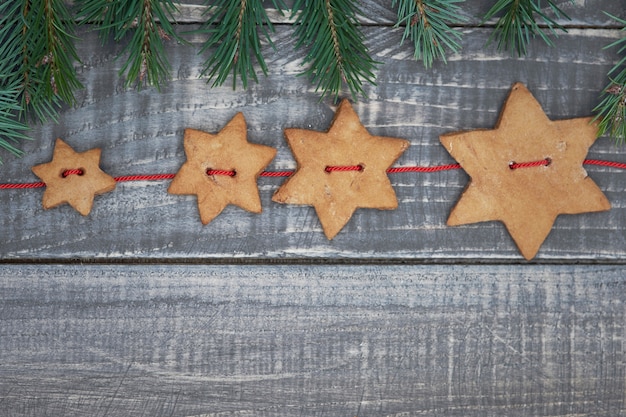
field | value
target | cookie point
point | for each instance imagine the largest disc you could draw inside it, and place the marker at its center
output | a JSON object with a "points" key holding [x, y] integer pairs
{"points": [[519, 87], [344, 103]]}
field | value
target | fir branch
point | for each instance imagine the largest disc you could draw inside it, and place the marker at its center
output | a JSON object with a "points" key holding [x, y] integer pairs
{"points": [[428, 24], [146, 61], [37, 56], [337, 54], [612, 108], [38, 35], [233, 39], [518, 23], [58, 62], [11, 129]]}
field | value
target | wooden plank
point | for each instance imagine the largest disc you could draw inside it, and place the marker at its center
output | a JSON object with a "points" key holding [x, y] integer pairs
{"points": [[292, 340], [140, 132]]}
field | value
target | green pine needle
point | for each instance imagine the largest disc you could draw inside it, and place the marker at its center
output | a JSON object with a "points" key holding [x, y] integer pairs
{"points": [[11, 129], [147, 24], [58, 63], [612, 109], [428, 23], [233, 40], [37, 58], [38, 46], [337, 53], [518, 23], [47, 70]]}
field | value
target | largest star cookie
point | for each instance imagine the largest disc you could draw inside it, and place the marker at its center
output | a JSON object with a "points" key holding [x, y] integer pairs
{"points": [[222, 169], [341, 170], [74, 178], [526, 171]]}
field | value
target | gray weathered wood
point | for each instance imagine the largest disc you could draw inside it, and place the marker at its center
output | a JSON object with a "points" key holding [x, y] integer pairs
{"points": [[465, 331], [294, 340]]}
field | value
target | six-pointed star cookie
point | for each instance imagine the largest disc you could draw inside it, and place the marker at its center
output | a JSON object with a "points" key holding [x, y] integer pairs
{"points": [[229, 151], [527, 200], [85, 179], [337, 194]]}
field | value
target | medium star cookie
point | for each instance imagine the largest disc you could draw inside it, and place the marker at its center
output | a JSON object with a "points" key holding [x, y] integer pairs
{"points": [[222, 169], [526, 171], [341, 170], [73, 178]]}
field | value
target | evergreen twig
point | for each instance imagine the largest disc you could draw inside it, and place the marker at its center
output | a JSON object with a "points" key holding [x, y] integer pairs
{"points": [[42, 31], [428, 24], [233, 31], [518, 23], [146, 61], [612, 108], [37, 56], [11, 129], [337, 54]]}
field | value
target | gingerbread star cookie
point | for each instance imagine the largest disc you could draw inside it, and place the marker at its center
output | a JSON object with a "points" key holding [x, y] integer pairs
{"points": [[74, 178], [340, 170], [222, 169], [526, 171]]}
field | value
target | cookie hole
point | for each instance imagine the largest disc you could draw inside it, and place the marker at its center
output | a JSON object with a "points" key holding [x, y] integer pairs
{"points": [[229, 173], [78, 171], [548, 161]]}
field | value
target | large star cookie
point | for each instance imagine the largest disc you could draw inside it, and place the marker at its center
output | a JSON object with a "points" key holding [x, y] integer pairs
{"points": [[73, 178], [341, 170], [222, 169], [526, 171]]}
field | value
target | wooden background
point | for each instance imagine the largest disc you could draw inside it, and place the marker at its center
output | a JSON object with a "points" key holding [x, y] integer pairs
{"points": [[139, 310]]}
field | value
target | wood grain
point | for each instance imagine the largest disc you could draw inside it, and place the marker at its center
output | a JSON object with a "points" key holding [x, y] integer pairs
{"points": [[139, 310], [316, 341]]}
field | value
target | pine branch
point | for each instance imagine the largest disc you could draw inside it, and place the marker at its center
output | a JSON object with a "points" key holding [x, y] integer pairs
{"points": [[427, 23], [233, 39], [58, 62], [337, 54], [519, 23], [37, 71], [37, 41], [146, 61], [612, 109], [11, 129]]}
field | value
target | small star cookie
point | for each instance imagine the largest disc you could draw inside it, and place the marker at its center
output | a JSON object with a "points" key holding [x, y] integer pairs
{"points": [[526, 171], [222, 169], [73, 178], [341, 170]]}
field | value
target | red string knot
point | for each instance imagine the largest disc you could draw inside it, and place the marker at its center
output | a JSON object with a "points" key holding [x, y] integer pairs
{"points": [[343, 168], [228, 173], [66, 173], [542, 162]]}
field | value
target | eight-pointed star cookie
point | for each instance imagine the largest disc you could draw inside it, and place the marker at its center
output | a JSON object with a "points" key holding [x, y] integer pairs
{"points": [[527, 200], [229, 150], [76, 189], [337, 194]]}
